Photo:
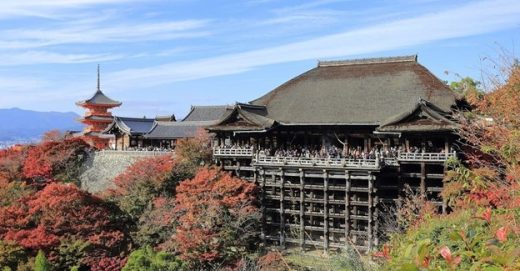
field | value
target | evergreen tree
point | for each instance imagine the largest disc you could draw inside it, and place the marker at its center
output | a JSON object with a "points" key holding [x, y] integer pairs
{"points": [[41, 263]]}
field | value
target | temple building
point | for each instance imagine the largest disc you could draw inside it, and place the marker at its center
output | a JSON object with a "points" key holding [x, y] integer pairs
{"points": [[333, 148], [97, 116], [164, 134], [128, 132]]}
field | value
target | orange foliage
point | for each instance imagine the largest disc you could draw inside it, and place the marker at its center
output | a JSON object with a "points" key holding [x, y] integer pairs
{"points": [[274, 261], [492, 151], [11, 164], [154, 170], [53, 159], [216, 212], [59, 212], [195, 151]]}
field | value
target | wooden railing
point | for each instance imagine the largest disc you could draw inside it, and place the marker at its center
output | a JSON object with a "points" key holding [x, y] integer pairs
{"points": [[317, 162], [136, 153], [233, 152], [428, 156], [331, 162]]}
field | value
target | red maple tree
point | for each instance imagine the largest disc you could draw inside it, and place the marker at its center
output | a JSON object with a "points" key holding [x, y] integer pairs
{"points": [[217, 217], [60, 212]]}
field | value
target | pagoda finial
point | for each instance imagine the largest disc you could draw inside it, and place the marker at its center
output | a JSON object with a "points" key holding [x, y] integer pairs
{"points": [[98, 80]]}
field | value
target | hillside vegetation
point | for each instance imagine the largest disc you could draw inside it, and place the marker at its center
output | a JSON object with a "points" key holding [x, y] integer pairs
{"points": [[181, 213]]}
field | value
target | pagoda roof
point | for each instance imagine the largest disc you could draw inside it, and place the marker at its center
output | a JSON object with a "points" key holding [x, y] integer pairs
{"points": [[355, 92], [99, 98], [98, 118]]}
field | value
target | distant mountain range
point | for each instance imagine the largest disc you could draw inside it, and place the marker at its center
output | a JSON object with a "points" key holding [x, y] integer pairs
{"points": [[26, 125]]}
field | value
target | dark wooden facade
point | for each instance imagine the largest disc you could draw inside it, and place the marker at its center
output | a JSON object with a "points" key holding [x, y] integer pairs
{"points": [[327, 175]]}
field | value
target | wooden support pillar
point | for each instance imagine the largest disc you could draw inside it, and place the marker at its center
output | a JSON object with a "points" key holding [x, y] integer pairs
{"points": [[376, 225], [302, 208], [282, 208], [370, 210], [423, 179], [446, 146], [355, 224], [347, 207], [325, 210], [445, 201], [400, 187], [262, 207]]}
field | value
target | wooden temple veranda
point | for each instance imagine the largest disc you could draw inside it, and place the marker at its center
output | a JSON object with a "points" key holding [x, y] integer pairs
{"points": [[333, 146]]}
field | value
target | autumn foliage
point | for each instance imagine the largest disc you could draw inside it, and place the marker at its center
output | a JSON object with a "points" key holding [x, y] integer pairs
{"points": [[217, 217], [59, 212], [54, 160], [482, 232], [194, 152]]}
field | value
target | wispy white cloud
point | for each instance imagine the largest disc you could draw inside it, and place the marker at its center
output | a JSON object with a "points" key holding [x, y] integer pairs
{"points": [[43, 57], [87, 34], [471, 19], [47, 8]]}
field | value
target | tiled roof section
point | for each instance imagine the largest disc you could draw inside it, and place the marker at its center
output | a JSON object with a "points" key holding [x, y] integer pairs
{"points": [[99, 98], [131, 126], [355, 92], [244, 117], [207, 112], [176, 130], [166, 118], [424, 116]]}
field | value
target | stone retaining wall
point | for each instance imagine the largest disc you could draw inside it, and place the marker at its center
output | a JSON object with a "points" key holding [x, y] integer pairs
{"points": [[100, 168]]}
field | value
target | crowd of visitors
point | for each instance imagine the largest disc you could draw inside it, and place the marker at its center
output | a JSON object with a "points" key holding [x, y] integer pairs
{"points": [[149, 148], [335, 152]]}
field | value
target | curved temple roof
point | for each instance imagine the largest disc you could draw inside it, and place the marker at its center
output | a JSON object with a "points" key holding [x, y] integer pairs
{"points": [[355, 92], [131, 126]]}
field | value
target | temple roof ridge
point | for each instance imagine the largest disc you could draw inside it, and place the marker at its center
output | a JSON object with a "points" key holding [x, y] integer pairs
{"points": [[361, 61]]}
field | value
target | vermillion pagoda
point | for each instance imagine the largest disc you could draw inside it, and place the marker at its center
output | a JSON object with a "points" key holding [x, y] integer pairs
{"points": [[97, 116]]}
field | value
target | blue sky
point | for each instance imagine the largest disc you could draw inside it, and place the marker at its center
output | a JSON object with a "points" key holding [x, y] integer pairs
{"points": [[161, 56]]}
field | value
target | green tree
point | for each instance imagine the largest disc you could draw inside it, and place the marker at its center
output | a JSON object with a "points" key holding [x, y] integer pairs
{"points": [[41, 263], [146, 259]]}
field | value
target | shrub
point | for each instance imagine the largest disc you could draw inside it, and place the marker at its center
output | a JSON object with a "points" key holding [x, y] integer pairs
{"points": [[141, 183], [194, 152], [146, 259], [11, 254], [158, 224], [41, 263]]}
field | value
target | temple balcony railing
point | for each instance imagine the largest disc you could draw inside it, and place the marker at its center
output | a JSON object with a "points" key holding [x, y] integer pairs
{"points": [[143, 153], [317, 162], [233, 152], [425, 156]]}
